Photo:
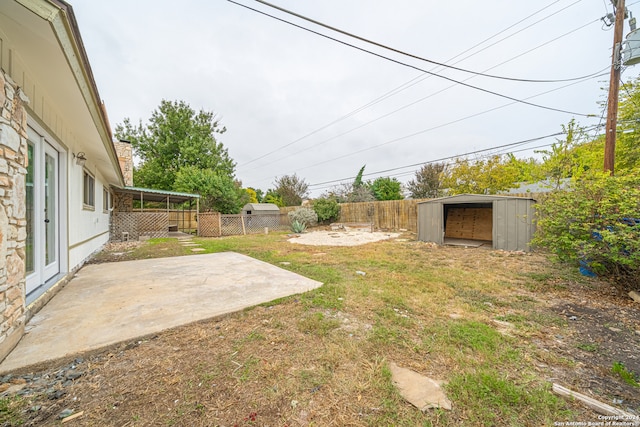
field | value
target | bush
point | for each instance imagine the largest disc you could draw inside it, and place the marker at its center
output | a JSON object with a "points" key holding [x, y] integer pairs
{"points": [[326, 209], [592, 221], [306, 216]]}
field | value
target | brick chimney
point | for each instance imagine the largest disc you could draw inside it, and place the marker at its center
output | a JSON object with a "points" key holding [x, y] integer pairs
{"points": [[125, 158]]}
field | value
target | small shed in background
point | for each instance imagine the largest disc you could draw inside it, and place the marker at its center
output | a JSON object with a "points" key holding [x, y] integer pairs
{"points": [[262, 215], [501, 222], [260, 209]]}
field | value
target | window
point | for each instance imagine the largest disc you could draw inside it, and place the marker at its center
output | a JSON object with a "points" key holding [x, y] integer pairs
{"points": [[89, 193], [106, 200]]}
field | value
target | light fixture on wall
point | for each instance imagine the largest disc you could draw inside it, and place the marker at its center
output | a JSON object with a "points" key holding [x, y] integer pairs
{"points": [[80, 158]]}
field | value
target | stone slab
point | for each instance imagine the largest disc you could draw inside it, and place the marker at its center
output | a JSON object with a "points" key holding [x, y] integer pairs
{"points": [[108, 303], [421, 391]]}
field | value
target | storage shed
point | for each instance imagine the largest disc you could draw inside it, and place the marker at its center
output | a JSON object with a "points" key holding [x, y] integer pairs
{"points": [[502, 222], [260, 209]]}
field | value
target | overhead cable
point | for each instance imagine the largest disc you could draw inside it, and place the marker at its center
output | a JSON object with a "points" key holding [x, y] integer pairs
{"points": [[410, 55], [424, 76], [418, 68]]}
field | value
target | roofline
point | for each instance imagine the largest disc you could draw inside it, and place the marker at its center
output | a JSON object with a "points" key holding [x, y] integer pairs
{"points": [[156, 191], [489, 196], [71, 25]]}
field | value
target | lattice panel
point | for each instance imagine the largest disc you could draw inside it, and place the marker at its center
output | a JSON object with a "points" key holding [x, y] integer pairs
{"points": [[124, 222], [209, 224], [257, 223], [154, 225], [138, 224], [231, 225], [213, 224]]}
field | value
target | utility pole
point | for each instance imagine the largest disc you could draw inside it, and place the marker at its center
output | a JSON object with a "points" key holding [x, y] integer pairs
{"points": [[614, 88]]}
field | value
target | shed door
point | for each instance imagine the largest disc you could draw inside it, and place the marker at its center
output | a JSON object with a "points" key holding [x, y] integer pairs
{"points": [[430, 222]]}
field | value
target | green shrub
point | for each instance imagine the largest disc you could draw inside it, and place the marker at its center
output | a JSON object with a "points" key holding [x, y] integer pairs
{"points": [[587, 223], [306, 216], [326, 209]]}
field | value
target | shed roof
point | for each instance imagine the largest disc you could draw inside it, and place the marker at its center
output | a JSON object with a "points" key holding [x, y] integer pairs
{"points": [[153, 195], [260, 207], [472, 198]]}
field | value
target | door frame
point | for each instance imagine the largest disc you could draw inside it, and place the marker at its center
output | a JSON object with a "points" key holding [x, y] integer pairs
{"points": [[44, 277]]}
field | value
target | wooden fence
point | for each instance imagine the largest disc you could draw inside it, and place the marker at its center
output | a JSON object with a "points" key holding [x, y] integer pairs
{"points": [[386, 215]]}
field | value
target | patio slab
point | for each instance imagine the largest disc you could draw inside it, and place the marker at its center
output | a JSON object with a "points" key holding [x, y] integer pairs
{"points": [[105, 304]]}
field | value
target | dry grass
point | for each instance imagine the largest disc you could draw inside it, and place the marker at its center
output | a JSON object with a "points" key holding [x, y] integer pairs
{"points": [[322, 358]]}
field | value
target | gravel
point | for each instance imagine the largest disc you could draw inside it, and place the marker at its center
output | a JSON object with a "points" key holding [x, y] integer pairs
{"points": [[341, 238]]}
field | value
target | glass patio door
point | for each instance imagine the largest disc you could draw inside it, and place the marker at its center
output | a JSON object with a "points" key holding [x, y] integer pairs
{"points": [[42, 212]]}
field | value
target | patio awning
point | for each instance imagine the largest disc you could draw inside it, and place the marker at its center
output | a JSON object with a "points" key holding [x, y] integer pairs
{"points": [[153, 195]]}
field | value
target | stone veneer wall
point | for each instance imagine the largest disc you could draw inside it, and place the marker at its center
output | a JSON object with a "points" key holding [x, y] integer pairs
{"points": [[13, 224], [125, 158]]}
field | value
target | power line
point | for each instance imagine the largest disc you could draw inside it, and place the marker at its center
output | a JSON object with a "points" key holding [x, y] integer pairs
{"points": [[513, 144], [447, 158], [431, 128], [417, 68], [410, 55], [418, 101], [424, 76]]}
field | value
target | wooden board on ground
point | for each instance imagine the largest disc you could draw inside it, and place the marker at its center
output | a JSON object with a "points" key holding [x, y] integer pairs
{"points": [[467, 243], [469, 223]]}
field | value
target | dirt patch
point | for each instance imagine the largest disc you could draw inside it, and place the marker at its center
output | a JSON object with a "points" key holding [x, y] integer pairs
{"points": [[601, 332], [341, 238]]}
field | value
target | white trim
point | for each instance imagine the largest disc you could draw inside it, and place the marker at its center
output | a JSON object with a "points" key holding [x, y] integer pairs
{"points": [[41, 137]]}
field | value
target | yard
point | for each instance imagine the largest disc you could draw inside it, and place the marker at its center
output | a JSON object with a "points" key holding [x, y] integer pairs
{"points": [[499, 327]]}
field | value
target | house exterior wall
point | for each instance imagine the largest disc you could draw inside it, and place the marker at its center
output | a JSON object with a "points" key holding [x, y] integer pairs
{"points": [[13, 163], [48, 100], [88, 227]]}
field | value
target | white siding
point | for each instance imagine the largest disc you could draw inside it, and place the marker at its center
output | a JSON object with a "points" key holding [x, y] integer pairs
{"points": [[88, 228]]}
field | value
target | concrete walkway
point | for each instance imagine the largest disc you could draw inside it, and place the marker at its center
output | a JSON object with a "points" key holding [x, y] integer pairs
{"points": [[110, 303]]}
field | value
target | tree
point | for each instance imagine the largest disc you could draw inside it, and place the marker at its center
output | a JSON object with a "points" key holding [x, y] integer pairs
{"points": [[595, 222], [561, 162], [385, 188], [273, 197], [357, 183], [253, 197], [426, 183], [175, 137], [218, 192], [355, 192], [291, 189], [489, 176], [628, 137], [258, 193]]}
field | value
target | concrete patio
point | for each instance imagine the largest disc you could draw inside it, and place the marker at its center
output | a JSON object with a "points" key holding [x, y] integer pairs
{"points": [[105, 304]]}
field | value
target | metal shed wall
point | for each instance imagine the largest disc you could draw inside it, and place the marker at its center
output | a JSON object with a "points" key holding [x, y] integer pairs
{"points": [[430, 222], [513, 225]]}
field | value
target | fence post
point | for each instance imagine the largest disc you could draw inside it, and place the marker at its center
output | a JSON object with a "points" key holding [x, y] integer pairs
{"points": [[219, 224], [244, 230]]}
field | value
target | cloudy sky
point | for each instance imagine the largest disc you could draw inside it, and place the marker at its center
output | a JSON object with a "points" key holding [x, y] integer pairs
{"points": [[296, 102]]}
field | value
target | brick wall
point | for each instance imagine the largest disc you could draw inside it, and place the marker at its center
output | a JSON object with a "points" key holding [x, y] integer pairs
{"points": [[13, 230]]}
